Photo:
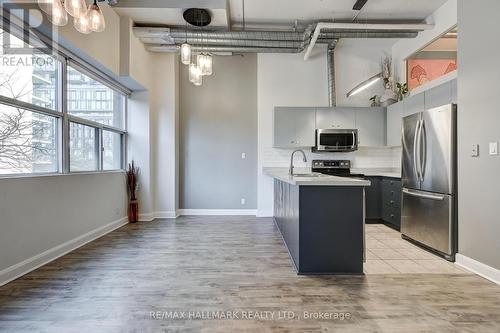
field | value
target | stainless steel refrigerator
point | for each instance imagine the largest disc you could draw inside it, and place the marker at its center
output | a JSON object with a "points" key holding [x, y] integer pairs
{"points": [[428, 213]]}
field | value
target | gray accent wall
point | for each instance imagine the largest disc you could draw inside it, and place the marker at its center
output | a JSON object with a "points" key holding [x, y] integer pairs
{"points": [[478, 123], [218, 122]]}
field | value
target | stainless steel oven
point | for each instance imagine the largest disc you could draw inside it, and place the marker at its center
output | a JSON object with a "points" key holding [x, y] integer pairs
{"points": [[336, 140]]}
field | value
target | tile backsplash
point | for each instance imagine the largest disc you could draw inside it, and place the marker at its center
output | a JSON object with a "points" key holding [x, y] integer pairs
{"points": [[373, 157]]}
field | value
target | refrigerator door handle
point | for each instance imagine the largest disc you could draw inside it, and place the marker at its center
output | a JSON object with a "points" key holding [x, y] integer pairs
{"points": [[422, 146], [424, 196], [416, 151]]}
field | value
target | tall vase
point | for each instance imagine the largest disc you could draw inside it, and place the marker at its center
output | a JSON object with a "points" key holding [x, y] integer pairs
{"points": [[133, 211]]}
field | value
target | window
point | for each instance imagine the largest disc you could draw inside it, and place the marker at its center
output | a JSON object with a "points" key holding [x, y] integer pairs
{"points": [[91, 100], [35, 112], [112, 150], [28, 141], [437, 59], [28, 76], [83, 148]]}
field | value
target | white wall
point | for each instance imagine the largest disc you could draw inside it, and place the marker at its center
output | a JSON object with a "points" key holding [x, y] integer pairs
{"points": [[44, 217], [288, 80], [444, 18], [165, 133], [355, 61], [479, 123]]}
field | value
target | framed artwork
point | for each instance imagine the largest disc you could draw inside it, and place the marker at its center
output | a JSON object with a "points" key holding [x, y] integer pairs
{"points": [[420, 71]]}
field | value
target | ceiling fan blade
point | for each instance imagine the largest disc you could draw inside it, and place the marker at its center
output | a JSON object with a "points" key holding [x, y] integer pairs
{"points": [[359, 4]]}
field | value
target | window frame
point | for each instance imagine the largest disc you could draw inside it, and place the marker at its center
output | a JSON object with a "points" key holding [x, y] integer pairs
{"points": [[66, 59]]}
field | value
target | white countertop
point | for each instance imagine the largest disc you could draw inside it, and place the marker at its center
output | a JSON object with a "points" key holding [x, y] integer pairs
{"points": [[321, 180], [380, 172]]}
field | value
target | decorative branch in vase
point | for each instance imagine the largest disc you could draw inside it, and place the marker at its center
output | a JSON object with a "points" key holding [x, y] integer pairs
{"points": [[388, 97], [132, 185]]}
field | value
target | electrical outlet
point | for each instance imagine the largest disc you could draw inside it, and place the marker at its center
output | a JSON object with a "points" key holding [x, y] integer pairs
{"points": [[475, 150], [243, 155], [493, 148], [243, 201]]}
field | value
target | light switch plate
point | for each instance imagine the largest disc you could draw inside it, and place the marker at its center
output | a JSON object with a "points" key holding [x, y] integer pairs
{"points": [[243, 155], [493, 148], [475, 150], [243, 201]]}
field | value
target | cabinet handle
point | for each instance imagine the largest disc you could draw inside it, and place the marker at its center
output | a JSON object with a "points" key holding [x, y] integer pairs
{"points": [[392, 202], [392, 182], [392, 216], [292, 141]]}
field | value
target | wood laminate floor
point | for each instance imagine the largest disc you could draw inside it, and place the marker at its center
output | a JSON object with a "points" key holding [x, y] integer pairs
{"points": [[205, 265]]}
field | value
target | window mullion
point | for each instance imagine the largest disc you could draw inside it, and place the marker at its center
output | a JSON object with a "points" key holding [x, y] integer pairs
{"points": [[63, 86]]}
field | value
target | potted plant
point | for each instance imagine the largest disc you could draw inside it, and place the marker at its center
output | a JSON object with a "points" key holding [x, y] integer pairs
{"points": [[375, 101], [402, 90], [133, 206]]}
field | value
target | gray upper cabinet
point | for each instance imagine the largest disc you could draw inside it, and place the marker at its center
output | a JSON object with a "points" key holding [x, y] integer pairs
{"points": [[337, 117], [454, 97], [438, 96], [414, 104], [371, 125], [294, 127], [394, 124]]}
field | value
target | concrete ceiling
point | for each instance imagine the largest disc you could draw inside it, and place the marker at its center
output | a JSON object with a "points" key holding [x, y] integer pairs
{"points": [[278, 13]]}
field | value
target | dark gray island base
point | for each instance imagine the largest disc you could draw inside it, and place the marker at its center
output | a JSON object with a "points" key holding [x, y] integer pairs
{"points": [[322, 226]]}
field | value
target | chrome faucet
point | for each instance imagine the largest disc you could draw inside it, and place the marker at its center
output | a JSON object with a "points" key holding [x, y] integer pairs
{"points": [[290, 171]]}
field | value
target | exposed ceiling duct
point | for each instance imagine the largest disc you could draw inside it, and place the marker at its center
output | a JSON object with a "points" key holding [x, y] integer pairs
{"points": [[161, 39], [362, 27], [330, 67]]}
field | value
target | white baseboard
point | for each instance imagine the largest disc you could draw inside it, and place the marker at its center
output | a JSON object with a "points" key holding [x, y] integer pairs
{"points": [[15, 271], [147, 217], [264, 213], [479, 268], [252, 212], [166, 215]]}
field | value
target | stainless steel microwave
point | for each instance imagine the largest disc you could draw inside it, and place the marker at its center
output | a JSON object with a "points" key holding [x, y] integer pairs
{"points": [[336, 140]]}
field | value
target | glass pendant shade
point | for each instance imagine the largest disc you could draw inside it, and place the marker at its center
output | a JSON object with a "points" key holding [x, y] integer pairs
{"points": [[186, 54], [195, 76], [205, 63], [82, 23], [96, 18], [58, 15], [75, 8]]}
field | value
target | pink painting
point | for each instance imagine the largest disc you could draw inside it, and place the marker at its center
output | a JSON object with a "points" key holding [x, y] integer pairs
{"points": [[421, 71]]}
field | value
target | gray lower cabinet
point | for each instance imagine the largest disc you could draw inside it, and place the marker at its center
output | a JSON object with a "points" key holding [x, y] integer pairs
{"points": [[383, 201], [391, 201], [322, 227], [294, 127], [373, 199]]}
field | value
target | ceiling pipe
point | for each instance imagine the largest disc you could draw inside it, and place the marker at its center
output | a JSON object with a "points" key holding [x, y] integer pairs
{"points": [[224, 49], [330, 66], [362, 27]]}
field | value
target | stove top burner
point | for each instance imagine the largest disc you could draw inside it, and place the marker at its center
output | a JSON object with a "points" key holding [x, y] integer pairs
{"points": [[340, 168]]}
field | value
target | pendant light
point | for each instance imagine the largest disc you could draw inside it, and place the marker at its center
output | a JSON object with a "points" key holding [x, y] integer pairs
{"points": [[96, 18], [75, 8], [186, 54], [205, 63], [82, 23], [57, 14], [195, 76], [186, 51]]}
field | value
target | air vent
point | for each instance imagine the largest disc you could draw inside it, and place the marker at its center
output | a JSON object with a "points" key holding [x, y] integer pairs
{"points": [[197, 16]]}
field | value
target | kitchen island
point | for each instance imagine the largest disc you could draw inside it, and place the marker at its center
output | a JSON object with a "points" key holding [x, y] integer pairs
{"points": [[321, 220]]}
